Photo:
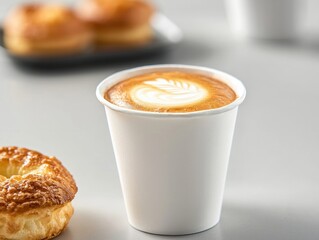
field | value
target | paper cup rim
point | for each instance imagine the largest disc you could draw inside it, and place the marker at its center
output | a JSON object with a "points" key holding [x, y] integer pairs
{"points": [[231, 81]]}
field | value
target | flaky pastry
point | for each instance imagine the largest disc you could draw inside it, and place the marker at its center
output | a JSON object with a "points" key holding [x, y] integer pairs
{"points": [[35, 195], [36, 29]]}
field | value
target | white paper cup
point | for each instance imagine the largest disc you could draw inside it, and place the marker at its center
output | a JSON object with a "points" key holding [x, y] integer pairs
{"points": [[264, 19], [172, 166]]}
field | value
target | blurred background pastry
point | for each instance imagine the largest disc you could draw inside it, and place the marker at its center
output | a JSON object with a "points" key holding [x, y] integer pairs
{"points": [[120, 23], [37, 29], [98, 10]]}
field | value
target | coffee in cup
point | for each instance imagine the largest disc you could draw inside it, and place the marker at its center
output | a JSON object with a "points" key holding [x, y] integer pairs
{"points": [[172, 147]]}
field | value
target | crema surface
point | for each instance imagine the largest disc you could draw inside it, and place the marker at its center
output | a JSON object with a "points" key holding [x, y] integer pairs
{"points": [[170, 92]]}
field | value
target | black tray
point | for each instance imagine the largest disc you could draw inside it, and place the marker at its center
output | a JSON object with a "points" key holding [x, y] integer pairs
{"points": [[166, 35]]}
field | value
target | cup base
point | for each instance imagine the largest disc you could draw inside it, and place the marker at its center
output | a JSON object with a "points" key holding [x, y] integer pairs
{"points": [[171, 232]]}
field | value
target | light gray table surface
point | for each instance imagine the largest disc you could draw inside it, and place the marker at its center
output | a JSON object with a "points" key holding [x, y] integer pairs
{"points": [[272, 189]]}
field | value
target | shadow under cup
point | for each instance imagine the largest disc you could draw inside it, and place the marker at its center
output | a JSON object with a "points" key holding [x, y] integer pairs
{"points": [[172, 166]]}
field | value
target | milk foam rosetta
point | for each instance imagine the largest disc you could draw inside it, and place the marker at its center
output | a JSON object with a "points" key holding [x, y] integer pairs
{"points": [[170, 92], [163, 92]]}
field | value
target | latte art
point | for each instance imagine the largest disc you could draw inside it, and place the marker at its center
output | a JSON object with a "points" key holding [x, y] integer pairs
{"points": [[167, 92], [170, 92]]}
